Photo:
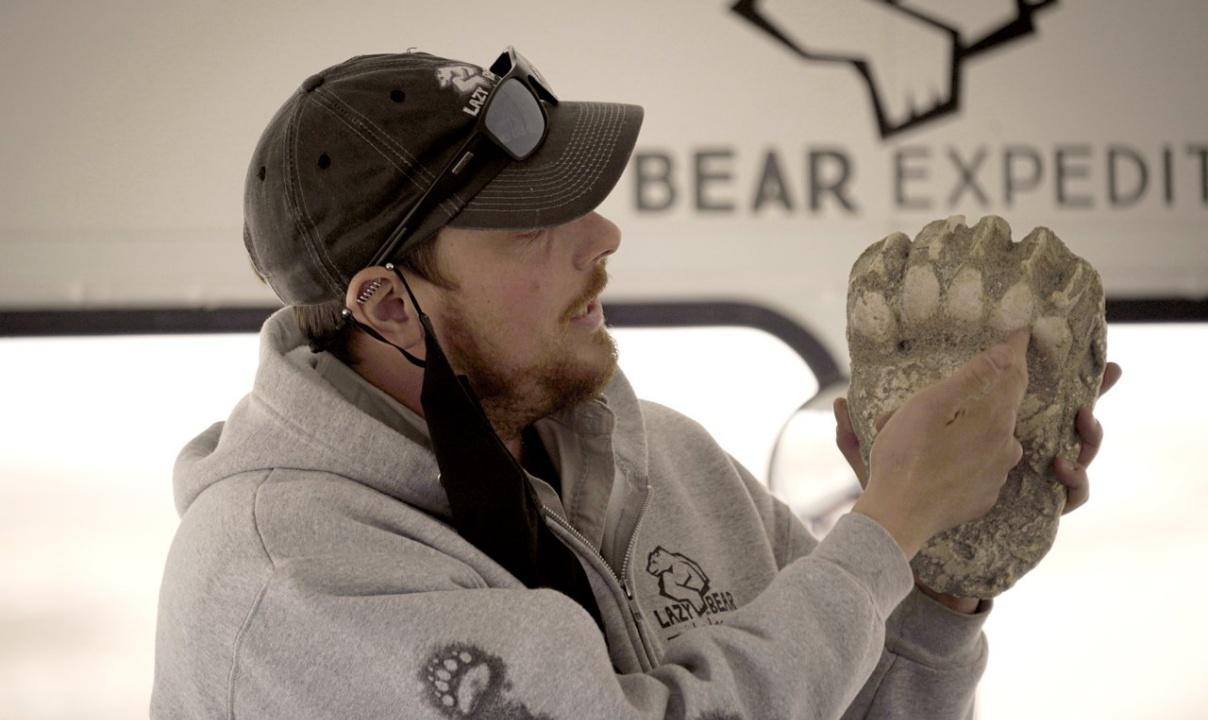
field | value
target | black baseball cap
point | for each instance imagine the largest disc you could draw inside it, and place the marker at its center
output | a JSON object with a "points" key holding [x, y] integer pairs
{"points": [[348, 154]]}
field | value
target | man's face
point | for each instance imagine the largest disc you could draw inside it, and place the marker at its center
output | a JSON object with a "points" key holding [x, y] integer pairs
{"points": [[515, 326]]}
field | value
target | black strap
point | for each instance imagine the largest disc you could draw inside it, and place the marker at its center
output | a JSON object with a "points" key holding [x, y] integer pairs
{"points": [[494, 505]]}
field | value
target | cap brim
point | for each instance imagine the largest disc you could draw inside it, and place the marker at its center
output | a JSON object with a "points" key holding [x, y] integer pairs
{"points": [[582, 158]]}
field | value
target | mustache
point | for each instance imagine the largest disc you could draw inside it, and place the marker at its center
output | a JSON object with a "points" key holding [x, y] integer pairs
{"points": [[595, 286]]}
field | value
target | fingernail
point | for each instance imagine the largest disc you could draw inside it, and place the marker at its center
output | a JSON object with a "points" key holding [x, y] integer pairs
{"points": [[1000, 355]]}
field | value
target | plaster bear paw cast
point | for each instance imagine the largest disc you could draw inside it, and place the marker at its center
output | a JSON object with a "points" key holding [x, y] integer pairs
{"points": [[917, 311]]}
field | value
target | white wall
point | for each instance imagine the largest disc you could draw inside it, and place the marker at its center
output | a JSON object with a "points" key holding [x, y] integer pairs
{"points": [[128, 126]]}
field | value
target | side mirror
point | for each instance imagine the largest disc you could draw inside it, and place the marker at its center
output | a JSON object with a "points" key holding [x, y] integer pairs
{"points": [[806, 469]]}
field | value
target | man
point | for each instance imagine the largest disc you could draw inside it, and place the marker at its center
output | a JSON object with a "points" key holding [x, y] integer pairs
{"points": [[442, 499]]}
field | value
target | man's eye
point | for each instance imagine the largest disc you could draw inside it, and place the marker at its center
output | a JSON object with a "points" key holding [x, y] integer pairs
{"points": [[530, 234]]}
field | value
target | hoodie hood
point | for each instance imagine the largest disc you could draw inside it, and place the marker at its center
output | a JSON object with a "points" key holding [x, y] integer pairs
{"points": [[293, 418]]}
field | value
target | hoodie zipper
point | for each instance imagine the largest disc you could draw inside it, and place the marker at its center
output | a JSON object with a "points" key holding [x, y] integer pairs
{"points": [[647, 651]]}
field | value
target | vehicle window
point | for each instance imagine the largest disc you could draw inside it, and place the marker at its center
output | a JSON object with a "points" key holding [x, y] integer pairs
{"points": [[92, 427]]}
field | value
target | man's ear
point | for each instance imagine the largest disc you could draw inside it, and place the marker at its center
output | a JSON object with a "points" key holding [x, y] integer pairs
{"points": [[376, 298]]}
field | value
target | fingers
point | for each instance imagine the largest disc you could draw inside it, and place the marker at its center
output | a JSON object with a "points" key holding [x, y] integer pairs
{"points": [[1111, 375], [1091, 432], [1016, 452], [847, 440], [1017, 364], [842, 418], [1010, 455], [1077, 484], [1073, 475], [1004, 363], [1018, 342]]}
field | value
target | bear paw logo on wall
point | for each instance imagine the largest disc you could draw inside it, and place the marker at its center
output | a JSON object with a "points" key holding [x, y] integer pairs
{"points": [[916, 78]]}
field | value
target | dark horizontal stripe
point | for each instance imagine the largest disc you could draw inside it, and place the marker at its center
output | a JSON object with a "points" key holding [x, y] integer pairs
{"points": [[171, 321], [117, 321], [1157, 310]]}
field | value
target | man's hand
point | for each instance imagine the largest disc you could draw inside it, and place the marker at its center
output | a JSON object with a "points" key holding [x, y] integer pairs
{"points": [[942, 457], [1074, 478], [1077, 485]]}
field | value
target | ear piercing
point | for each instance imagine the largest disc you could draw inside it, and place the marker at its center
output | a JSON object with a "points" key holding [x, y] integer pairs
{"points": [[369, 290]]}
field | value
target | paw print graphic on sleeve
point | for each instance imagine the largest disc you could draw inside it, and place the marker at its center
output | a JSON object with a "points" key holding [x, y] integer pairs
{"points": [[464, 681], [458, 682]]}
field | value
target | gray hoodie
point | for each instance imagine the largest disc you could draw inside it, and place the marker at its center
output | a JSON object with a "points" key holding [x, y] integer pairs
{"points": [[315, 575]]}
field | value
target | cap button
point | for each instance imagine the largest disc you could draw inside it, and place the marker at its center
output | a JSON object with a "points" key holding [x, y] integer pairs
{"points": [[312, 82]]}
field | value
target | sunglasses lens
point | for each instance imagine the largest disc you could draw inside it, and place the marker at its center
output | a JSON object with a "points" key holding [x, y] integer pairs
{"points": [[514, 118]]}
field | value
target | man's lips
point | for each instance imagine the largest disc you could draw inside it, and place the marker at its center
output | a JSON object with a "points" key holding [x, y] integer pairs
{"points": [[590, 296], [592, 315], [585, 308]]}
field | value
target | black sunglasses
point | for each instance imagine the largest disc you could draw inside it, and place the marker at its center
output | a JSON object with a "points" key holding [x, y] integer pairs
{"points": [[512, 117]]}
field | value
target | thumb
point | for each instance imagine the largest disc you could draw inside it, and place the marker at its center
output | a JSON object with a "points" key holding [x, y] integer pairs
{"points": [[848, 441], [1007, 360]]}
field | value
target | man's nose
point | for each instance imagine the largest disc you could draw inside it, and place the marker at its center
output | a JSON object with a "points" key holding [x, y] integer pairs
{"points": [[600, 238]]}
